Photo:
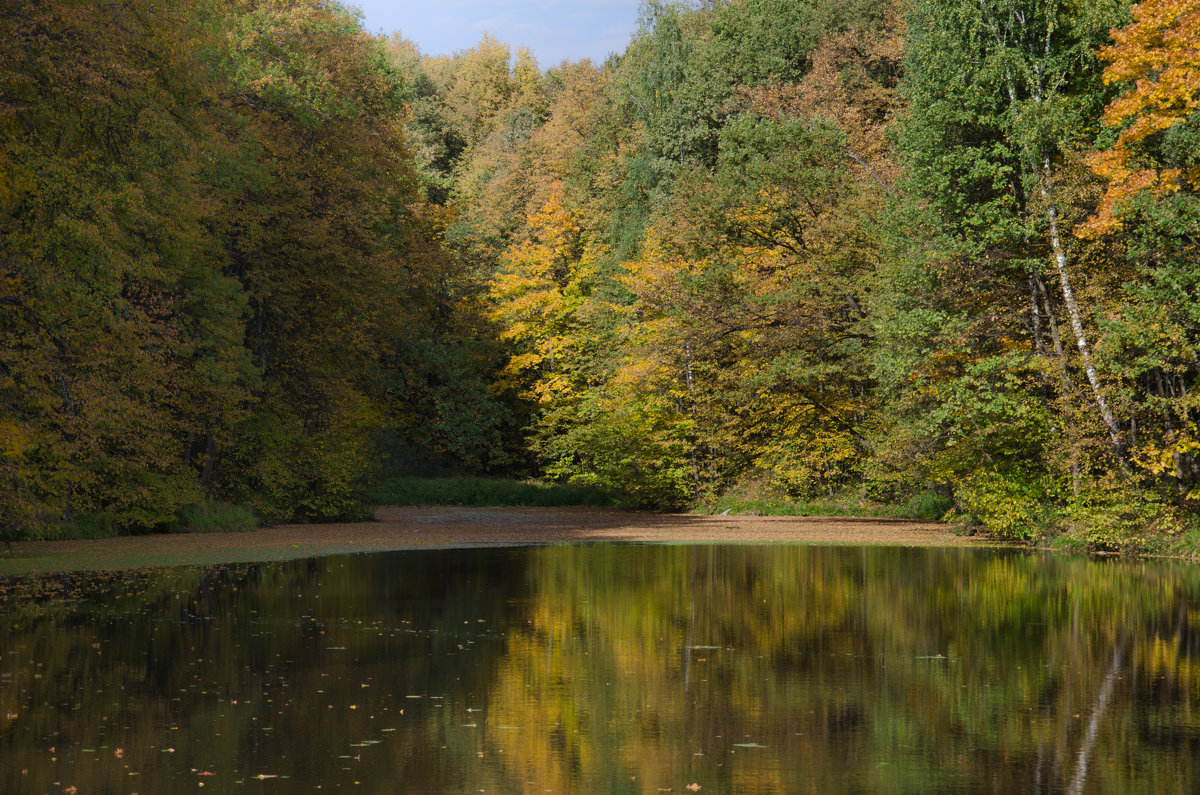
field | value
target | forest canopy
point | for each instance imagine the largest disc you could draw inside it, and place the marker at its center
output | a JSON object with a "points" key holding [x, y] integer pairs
{"points": [[909, 251]]}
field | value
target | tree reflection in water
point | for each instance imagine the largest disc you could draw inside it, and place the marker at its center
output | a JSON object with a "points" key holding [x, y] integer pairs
{"points": [[613, 668]]}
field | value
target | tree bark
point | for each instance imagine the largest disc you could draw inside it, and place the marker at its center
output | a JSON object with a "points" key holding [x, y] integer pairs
{"points": [[691, 409], [1046, 188], [1060, 263], [1068, 386]]}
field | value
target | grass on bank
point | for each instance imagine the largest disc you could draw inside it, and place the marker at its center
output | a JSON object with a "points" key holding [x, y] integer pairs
{"points": [[1120, 525], [210, 516], [497, 492], [215, 517], [488, 492], [1087, 525], [926, 505]]}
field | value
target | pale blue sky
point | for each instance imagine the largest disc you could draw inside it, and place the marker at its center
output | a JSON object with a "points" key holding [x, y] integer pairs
{"points": [[555, 30]]}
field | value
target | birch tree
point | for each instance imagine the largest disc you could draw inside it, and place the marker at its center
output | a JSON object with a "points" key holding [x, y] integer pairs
{"points": [[1001, 91]]}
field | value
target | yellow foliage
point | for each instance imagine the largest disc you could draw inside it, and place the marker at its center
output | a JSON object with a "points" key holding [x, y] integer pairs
{"points": [[14, 440], [535, 296], [1159, 458]]}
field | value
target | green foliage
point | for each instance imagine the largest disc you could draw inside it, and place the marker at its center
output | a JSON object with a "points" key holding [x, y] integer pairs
{"points": [[214, 244], [1118, 518], [993, 90], [928, 505], [637, 446], [751, 498], [212, 516], [1006, 504], [1185, 545], [487, 492], [255, 256], [91, 526]]}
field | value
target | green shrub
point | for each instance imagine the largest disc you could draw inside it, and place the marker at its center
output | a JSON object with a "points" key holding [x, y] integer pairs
{"points": [[102, 524], [1118, 519], [96, 525], [755, 496], [1007, 505], [215, 517], [928, 505], [487, 492], [1188, 542]]}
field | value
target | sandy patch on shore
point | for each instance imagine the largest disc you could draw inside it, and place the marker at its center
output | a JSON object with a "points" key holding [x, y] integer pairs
{"points": [[399, 528]]}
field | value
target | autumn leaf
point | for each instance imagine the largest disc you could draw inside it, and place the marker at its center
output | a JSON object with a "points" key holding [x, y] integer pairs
{"points": [[1158, 55]]}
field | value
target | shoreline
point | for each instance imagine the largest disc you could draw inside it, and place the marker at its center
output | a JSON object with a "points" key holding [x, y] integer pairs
{"points": [[398, 528]]}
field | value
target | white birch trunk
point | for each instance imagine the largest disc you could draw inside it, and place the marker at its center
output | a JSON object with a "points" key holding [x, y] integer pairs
{"points": [[1045, 186], [1060, 262], [691, 388]]}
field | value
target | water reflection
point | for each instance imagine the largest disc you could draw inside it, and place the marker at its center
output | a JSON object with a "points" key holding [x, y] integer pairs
{"points": [[608, 668]]}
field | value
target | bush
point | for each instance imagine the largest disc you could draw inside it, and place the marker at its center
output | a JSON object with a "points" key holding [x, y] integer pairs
{"points": [[1007, 505], [928, 505], [759, 495], [96, 525], [487, 492], [1118, 520], [215, 517]]}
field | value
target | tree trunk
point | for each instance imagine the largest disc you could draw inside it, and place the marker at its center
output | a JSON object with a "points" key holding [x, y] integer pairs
{"points": [[691, 409], [1035, 318], [1060, 263], [1068, 388], [1046, 187]]}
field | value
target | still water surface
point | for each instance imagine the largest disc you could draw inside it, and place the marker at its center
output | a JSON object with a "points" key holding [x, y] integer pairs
{"points": [[607, 668]]}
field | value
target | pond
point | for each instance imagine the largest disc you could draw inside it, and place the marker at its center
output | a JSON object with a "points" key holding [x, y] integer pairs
{"points": [[608, 668]]}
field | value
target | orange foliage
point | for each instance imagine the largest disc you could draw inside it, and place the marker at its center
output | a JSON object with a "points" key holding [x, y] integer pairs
{"points": [[853, 83], [1160, 55]]}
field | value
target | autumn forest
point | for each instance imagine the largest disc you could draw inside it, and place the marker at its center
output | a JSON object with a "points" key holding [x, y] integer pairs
{"points": [[942, 254]]}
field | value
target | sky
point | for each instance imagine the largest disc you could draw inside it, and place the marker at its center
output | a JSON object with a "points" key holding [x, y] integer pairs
{"points": [[556, 30]]}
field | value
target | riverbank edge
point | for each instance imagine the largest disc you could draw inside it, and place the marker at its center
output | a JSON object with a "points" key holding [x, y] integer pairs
{"points": [[398, 528]]}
